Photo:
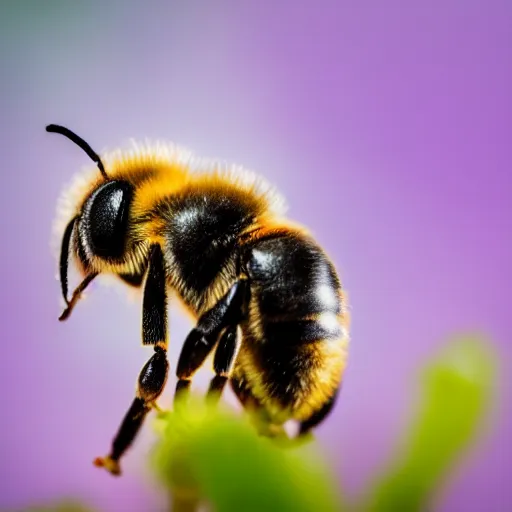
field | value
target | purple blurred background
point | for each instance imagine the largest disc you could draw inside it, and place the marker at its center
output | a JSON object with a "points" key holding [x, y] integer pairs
{"points": [[388, 129]]}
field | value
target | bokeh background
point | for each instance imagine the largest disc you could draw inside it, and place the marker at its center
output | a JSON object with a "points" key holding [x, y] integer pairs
{"points": [[386, 125]]}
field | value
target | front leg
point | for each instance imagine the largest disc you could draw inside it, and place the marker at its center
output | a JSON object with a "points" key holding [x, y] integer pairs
{"points": [[153, 376]]}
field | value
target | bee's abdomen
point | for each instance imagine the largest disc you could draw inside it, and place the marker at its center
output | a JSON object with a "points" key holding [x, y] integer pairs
{"points": [[295, 290], [299, 331], [296, 328]]}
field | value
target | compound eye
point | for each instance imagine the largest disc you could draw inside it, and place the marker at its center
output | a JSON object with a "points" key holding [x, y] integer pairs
{"points": [[108, 219]]}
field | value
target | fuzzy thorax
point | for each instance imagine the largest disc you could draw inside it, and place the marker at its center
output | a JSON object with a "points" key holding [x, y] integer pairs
{"points": [[158, 171]]}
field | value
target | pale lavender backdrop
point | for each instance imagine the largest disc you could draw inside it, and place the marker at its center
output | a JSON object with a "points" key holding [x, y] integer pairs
{"points": [[388, 128]]}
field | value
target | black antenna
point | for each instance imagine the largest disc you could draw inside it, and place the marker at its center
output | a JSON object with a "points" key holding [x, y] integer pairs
{"points": [[54, 128]]}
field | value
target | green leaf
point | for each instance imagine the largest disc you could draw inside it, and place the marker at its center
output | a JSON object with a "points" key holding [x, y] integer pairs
{"points": [[456, 392], [213, 455]]}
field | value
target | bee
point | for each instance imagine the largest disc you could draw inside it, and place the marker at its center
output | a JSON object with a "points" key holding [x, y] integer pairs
{"points": [[267, 301]]}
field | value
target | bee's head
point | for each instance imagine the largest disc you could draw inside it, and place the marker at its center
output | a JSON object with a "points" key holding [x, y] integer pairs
{"points": [[100, 229]]}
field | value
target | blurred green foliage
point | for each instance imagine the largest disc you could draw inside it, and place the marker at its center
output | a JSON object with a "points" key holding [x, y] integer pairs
{"points": [[211, 455], [456, 391]]}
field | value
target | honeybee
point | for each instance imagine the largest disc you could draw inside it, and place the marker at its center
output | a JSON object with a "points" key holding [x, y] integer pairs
{"points": [[267, 300]]}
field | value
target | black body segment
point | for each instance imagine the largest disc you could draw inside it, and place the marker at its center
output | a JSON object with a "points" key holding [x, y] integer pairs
{"points": [[154, 309], [296, 291], [293, 277], [153, 376], [303, 331], [287, 371], [202, 233]]}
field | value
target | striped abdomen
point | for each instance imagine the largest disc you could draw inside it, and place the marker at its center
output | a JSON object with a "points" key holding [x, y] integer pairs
{"points": [[296, 342]]}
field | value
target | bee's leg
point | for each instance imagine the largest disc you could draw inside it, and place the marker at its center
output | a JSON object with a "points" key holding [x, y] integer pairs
{"points": [[225, 355], [151, 383], [153, 376], [203, 338], [76, 296]]}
